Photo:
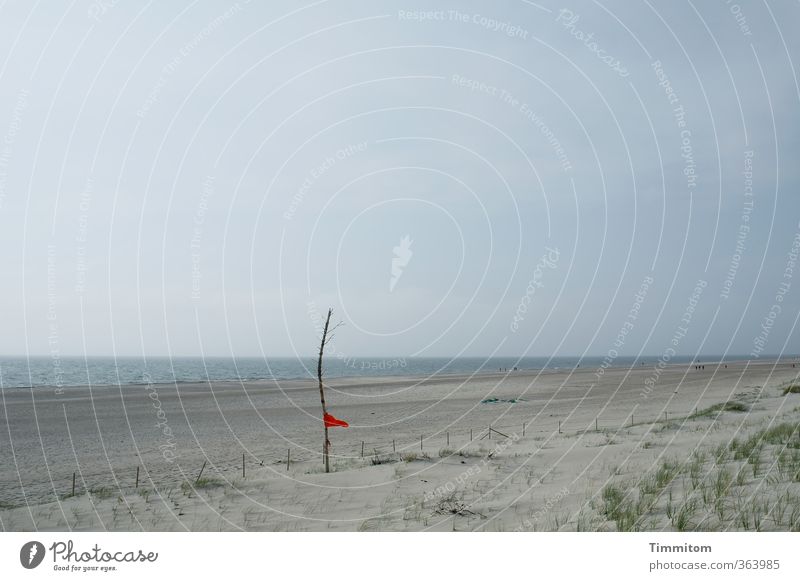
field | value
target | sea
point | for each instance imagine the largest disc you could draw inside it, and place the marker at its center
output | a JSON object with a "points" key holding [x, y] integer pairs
{"points": [[27, 372]]}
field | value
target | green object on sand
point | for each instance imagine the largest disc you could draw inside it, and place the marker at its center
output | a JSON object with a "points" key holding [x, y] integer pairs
{"points": [[498, 400]]}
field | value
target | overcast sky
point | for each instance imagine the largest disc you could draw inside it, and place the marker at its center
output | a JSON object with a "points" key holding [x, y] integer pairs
{"points": [[467, 178]]}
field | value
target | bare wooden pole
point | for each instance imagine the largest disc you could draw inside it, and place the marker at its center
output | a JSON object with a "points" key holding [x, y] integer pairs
{"points": [[420, 442], [362, 448], [73, 484], [288, 458], [394, 448], [448, 438], [242, 464], [137, 477], [559, 426], [470, 434], [326, 444]]}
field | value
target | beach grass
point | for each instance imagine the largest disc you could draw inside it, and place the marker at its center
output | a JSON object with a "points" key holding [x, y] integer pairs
{"points": [[204, 482], [103, 492], [718, 408]]}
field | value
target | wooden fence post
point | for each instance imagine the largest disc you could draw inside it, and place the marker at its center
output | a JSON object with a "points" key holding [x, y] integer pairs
{"points": [[243, 474], [73, 484], [201, 472], [137, 477], [288, 458]]}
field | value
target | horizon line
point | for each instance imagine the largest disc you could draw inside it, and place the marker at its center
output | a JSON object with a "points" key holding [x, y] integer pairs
{"points": [[742, 356]]}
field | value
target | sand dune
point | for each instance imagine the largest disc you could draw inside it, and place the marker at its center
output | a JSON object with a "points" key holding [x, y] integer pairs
{"points": [[626, 457]]}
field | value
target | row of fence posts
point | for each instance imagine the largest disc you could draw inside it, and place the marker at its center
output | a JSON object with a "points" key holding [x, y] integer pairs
{"points": [[490, 430]]}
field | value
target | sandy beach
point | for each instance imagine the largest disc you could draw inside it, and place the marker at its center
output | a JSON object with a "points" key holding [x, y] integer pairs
{"points": [[567, 450]]}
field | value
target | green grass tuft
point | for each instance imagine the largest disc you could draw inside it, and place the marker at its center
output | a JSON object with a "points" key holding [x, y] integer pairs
{"points": [[718, 408], [102, 492], [784, 434], [205, 482], [618, 508], [682, 519]]}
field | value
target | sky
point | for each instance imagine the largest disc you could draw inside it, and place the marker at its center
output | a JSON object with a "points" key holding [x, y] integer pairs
{"points": [[452, 178]]}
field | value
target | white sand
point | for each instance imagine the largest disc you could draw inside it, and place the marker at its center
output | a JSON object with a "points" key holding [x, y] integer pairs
{"points": [[544, 480]]}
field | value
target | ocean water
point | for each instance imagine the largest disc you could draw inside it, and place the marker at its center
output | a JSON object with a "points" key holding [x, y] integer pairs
{"points": [[79, 371]]}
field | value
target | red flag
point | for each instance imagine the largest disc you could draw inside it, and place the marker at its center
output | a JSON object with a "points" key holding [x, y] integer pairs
{"points": [[331, 422]]}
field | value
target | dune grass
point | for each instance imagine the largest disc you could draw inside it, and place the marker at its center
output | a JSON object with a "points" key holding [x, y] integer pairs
{"points": [[713, 489], [718, 408], [103, 492], [783, 434], [618, 507], [201, 483]]}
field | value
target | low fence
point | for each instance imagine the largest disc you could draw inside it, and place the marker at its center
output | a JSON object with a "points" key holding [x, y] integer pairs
{"points": [[80, 482]]}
